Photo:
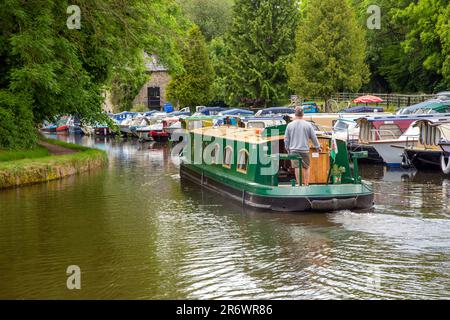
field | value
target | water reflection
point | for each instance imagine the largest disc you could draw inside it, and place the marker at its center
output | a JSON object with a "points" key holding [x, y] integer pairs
{"points": [[138, 233]]}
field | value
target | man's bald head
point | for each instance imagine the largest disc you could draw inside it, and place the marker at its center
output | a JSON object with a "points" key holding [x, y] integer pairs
{"points": [[299, 111]]}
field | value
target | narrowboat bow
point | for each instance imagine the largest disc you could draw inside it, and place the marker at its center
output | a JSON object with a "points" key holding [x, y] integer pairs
{"points": [[251, 166]]}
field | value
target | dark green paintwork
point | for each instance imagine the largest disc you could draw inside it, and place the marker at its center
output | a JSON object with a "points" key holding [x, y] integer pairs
{"points": [[254, 180]]}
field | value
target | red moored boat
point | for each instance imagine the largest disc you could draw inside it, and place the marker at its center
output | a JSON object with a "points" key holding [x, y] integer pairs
{"points": [[62, 126], [159, 135]]}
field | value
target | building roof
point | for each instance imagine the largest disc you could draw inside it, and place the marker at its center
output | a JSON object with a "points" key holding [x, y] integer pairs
{"points": [[152, 64]]}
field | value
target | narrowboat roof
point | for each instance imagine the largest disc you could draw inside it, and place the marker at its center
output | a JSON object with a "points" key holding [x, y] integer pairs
{"points": [[362, 109], [236, 112], [193, 118], [275, 110], [207, 110], [253, 136], [255, 118], [179, 113]]}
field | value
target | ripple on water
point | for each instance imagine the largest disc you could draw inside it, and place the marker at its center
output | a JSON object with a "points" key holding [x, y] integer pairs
{"points": [[137, 233]]}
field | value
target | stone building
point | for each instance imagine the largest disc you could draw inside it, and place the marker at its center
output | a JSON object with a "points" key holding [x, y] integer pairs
{"points": [[153, 93]]}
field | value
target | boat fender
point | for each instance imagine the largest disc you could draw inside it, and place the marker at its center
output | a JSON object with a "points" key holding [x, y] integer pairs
{"points": [[333, 204], [445, 165], [406, 162]]}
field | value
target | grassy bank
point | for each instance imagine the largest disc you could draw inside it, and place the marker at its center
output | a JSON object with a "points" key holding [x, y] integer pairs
{"points": [[27, 167], [37, 152]]}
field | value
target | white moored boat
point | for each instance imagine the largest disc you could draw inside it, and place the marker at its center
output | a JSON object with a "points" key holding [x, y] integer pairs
{"points": [[391, 150]]}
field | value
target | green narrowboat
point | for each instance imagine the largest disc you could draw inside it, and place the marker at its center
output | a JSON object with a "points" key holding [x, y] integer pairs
{"points": [[251, 166]]}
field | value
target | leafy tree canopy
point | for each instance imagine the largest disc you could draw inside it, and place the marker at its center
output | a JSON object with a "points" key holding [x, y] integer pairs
{"points": [[212, 16], [259, 44], [192, 87], [330, 51], [48, 69]]}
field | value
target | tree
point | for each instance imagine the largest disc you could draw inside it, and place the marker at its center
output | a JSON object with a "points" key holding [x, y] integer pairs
{"points": [[212, 16], [260, 43], [192, 87], [330, 51], [49, 69], [408, 53], [444, 34], [423, 43], [384, 46], [217, 55]]}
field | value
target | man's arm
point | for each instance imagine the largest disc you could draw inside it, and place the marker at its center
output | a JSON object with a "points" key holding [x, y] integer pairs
{"points": [[287, 139], [314, 138]]}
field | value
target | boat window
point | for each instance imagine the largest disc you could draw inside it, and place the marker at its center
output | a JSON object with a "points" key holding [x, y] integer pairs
{"points": [[256, 125], [437, 137], [429, 135], [423, 134], [372, 134], [433, 136], [215, 154], [242, 161], [389, 131], [228, 157], [340, 126]]}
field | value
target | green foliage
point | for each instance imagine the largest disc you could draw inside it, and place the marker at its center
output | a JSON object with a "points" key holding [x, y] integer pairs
{"points": [[217, 55], [36, 152], [444, 34], [409, 52], [260, 42], [192, 87], [425, 21], [330, 51], [139, 108], [16, 120], [48, 69], [212, 16], [127, 82]]}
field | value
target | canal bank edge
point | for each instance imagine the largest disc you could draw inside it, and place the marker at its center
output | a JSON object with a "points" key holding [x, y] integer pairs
{"points": [[30, 171]]}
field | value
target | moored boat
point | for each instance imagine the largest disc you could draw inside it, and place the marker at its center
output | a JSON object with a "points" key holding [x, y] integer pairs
{"points": [[428, 153], [252, 167], [62, 126], [383, 132], [48, 127]]}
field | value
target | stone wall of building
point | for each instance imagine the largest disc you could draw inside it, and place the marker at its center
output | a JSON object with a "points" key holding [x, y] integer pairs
{"points": [[108, 106], [159, 79]]}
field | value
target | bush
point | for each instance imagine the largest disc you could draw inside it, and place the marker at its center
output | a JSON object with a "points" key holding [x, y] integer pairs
{"points": [[139, 108]]}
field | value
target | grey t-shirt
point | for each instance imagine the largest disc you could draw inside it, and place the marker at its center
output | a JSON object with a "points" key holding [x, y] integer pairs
{"points": [[298, 134]]}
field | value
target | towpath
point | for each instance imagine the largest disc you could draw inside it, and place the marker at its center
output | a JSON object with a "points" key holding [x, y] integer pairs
{"points": [[55, 150]]}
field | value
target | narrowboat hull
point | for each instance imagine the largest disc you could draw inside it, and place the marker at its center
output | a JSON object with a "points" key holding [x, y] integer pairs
{"points": [[422, 160], [323, 198]]}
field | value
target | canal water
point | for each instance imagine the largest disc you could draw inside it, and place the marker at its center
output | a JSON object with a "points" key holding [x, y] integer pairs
{"points": [[137, 233]]}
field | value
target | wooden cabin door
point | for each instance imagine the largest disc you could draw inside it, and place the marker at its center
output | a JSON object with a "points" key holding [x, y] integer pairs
{"points": [[320, 166]]}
